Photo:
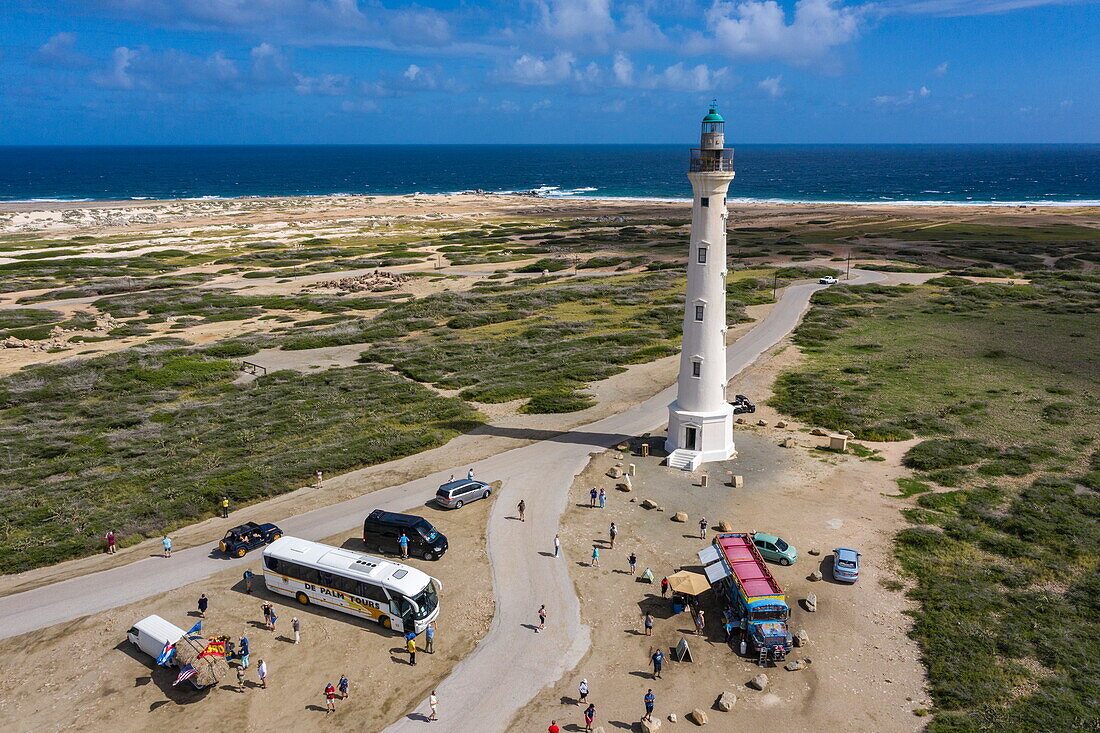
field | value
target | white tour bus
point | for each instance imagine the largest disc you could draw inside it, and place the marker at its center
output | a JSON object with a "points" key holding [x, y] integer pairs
{"points": [[397, 596]]}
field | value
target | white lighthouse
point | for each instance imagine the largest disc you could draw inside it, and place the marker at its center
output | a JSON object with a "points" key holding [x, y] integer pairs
{"points": [[700, 421]]}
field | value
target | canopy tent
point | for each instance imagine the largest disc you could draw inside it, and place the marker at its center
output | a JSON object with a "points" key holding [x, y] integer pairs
{"points": [[688, 583]]}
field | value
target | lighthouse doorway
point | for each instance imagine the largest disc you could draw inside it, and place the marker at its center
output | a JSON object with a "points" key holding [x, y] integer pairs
{"points": [[691, 434]]}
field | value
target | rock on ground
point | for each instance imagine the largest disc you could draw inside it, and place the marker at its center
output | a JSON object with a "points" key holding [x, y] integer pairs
{"points": [[672, 717], [680, 517], [759, 682], [797, 664], [648, 726], [649, 504], [698, 717], [811, 602], [802, 638], [726, 701], [724, 526], [815, 575]]}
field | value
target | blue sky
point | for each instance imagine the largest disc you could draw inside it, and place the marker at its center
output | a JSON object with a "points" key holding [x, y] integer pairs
{"points": [[547, 71]]}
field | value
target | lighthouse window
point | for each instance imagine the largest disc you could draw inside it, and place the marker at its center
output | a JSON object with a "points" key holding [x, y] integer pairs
{"points": [[696, 369], [704, 201], [699, 312], [702, 255]]}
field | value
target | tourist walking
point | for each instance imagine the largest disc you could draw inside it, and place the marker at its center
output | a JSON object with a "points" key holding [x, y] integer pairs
{"points": [[204, 602], [613, 532], [433, 703], [225, 507], [110, 537], [330, 698], [557, 545], [429, 638], [261, 671], [633, 562], [589, 716], [248, 580], [658, 660], [595, 556], [267, 608], [344, 685], [700, 623], [470, 474], [647, 623], [243, 652], [582, 690], [167, 544], [403, 540], [603, 499], [649, 699], [542, 618], [522, 509], [273, 619], [296, 625], [240, 679], [664, 587], [410, 645], [593, 495], [729, 631], [703, 528]]}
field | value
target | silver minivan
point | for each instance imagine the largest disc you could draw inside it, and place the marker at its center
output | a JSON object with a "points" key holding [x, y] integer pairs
{"points": [[453, 494]]}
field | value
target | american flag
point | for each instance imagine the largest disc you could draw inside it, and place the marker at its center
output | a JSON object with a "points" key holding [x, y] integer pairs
{"points": [[185, 674]]}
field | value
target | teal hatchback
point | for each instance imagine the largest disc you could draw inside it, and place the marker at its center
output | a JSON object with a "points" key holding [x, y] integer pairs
{"points": [[774, 548]]}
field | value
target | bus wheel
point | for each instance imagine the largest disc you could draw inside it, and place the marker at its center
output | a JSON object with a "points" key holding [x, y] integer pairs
{"points": [[301, 598], [386, 623]]}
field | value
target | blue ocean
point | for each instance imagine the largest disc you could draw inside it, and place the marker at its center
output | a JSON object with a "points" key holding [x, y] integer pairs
{"points": [[963, 174]]}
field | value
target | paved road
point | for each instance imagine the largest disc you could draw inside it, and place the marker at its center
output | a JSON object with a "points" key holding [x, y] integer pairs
{"points": [[523, 578]]}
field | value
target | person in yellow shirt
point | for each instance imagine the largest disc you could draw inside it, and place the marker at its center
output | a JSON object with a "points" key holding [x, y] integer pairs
{"points": [[411, 646], [225, 507]]}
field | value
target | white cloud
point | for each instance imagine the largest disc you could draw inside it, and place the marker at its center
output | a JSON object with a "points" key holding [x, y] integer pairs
{"points": [[623, 69], [60, 50], [329, 85], [681, 78], [952, 8], [758, 29], [772, 85], [569, 19], [901, 100], [541, 104], [117, 75], [270, 65], [535, 70], [940, 70]]}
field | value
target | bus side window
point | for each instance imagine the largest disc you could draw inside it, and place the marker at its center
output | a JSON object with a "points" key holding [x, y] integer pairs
{"points": [[272, 564], [374, 593], [325, 579]]}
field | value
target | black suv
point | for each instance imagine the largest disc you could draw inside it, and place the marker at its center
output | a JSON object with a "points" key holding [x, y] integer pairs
{"points": [[248, 536], [382, 530]]}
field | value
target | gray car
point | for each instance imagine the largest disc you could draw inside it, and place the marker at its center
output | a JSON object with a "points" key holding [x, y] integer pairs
{"points": [[453, 494]]}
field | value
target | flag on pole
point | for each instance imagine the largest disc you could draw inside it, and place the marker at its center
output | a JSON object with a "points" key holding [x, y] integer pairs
{"points": [[185, 674], [195, 629], [167, 654]]}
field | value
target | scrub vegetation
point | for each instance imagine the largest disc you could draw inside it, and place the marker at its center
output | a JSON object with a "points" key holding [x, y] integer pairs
{"points": [[1001, 382], [148, 439]]}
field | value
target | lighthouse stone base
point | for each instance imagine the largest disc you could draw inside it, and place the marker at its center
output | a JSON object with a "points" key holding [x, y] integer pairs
{"points": [[699, 437]]}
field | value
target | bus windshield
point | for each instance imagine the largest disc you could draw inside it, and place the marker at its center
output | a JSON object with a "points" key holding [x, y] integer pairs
{"points": [[426, 600], [769, 614]]}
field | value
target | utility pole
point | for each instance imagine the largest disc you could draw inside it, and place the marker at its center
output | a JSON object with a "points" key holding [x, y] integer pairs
{"points": [[848, 275], [775, 282]]}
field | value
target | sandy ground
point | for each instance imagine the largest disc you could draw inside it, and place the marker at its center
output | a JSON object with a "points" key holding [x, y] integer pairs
{"points": [[865, 674], [86, 675]]}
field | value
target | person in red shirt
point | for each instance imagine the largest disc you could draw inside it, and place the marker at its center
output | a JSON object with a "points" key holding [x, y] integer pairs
{"points": [[330, 697], [553, 727]]}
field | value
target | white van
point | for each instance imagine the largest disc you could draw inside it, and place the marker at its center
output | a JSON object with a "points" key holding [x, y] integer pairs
{"points": [[152, 633]]}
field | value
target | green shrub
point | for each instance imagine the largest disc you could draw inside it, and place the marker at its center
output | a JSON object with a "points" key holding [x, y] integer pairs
{"points": [[551, 402]]}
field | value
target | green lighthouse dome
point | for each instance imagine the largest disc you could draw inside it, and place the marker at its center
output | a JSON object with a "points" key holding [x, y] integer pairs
{"points": [[713, 115]]}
